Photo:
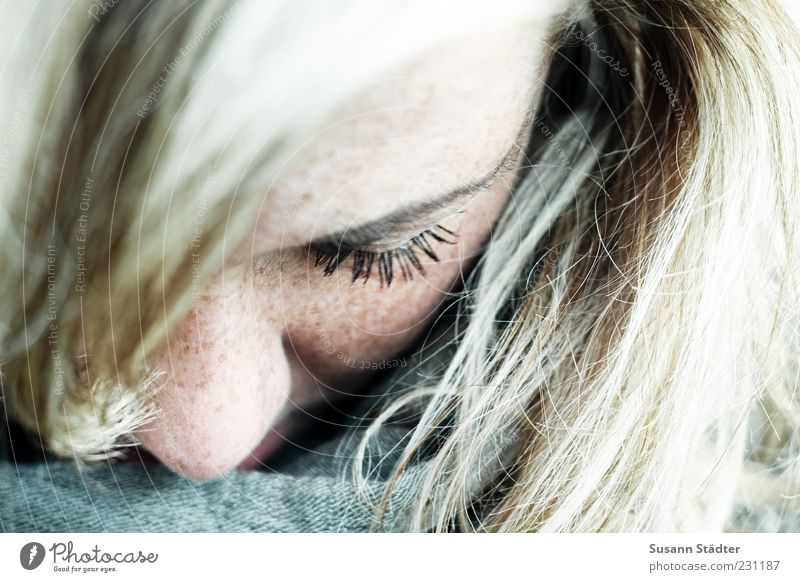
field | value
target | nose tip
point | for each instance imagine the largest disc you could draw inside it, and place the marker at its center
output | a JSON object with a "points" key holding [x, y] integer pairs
{"points": [[226, 383]]}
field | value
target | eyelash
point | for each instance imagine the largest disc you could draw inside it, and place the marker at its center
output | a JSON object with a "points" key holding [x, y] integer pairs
{"points": [[405, 257]]}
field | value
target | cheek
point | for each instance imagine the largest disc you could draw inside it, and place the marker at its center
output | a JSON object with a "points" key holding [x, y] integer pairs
{"points": [[356, 326]]}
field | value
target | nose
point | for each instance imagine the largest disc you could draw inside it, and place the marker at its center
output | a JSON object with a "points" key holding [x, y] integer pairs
{"points": [[227, 379]]}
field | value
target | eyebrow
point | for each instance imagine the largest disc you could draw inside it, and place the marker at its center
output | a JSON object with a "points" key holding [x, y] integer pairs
{"points": [[408, 218]]}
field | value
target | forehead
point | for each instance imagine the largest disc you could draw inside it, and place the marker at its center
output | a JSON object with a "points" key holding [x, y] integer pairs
{"points": [[442, 120]]}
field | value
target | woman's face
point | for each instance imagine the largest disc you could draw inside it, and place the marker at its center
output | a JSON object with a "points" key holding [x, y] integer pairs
{"points": [[409, 176]]}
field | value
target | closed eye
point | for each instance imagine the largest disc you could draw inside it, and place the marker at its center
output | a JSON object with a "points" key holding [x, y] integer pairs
{"points": [[404, 257], [367, 244]]}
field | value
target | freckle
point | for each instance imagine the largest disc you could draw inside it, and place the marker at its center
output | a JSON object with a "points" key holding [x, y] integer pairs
{"points": [[218, 408], [222, 358]]}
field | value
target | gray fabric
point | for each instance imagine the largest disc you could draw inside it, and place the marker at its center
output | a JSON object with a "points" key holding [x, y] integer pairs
{"points": [[313, 495]]}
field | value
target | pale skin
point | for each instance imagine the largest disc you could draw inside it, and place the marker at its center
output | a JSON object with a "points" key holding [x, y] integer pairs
{"points": [[271, 331]]}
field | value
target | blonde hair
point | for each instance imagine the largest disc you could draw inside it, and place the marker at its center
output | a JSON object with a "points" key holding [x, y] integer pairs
{"points": [[628, 355]]}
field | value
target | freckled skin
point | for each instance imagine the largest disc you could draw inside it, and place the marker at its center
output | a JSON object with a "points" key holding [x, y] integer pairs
{"points": [[213, 411], [271, 328]]}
